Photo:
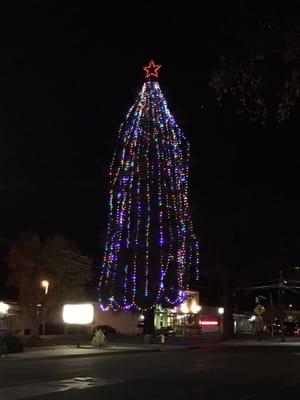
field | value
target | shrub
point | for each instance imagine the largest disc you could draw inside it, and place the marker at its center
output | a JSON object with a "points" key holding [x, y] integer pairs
{"points": [[14, 344]]}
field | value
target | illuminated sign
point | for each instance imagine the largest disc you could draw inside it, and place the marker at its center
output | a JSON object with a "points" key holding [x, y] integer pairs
{"points": [[81, 314], [209, 323]]}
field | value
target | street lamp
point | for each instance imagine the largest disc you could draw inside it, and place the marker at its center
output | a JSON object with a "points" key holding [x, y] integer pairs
{"points": [[282, 285], [45, 285]]}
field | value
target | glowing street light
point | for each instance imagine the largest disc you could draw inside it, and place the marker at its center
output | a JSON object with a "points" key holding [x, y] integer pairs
{"points": [[45, 285], [184, 308], [221, 310], [195, 308]]}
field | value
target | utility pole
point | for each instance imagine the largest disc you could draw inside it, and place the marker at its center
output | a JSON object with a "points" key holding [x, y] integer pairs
{"points": [[282, 286], [272, 315], [280, 300]]}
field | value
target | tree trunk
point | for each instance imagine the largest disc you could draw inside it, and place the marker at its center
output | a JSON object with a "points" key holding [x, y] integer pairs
{"points": [[149, 328], [35, 323]]}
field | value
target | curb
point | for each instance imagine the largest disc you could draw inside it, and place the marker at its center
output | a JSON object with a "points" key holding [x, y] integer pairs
{"points": [[57, 357]]}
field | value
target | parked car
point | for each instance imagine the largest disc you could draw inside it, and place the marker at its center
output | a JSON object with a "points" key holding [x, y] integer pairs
{"points": [[10, 343], [167, 331], [297, 331], [106, 329], [140, 328], [290, 328]]}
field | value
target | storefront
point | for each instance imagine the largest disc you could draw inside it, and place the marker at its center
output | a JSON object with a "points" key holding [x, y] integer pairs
{"points": [[181, 317]]}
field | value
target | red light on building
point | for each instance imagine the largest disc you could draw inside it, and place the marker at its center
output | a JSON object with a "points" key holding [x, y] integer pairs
{"points": [[209, 323]]}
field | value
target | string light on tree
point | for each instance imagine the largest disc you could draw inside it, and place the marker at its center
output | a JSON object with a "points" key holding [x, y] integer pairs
{"points": [[151, 251]]}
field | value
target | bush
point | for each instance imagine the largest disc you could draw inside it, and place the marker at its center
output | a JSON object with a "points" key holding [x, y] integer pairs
{"points": [[3, 348], [14, 344]]}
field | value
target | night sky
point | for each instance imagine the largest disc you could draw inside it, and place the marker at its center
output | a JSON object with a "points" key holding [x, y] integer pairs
{"points": [[69, 73]]}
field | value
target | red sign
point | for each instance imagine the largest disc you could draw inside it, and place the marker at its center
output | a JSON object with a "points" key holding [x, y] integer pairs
{"points": [[209, 322]]}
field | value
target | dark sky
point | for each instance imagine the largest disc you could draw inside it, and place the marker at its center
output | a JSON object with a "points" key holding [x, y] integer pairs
{"points": [[68, 74]]}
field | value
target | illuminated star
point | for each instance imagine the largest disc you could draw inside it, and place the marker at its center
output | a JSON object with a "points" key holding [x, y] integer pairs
{"points": [[152, 69]]}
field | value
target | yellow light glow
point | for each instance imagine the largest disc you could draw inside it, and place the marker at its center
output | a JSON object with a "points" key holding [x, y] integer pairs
{"points": [[81, 314], [45, 285], [221, 310], [195, 308], [184, 308], [3, 307]]}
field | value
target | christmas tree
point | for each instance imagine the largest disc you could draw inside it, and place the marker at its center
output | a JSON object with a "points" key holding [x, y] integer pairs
{"points": [[151, 252]]}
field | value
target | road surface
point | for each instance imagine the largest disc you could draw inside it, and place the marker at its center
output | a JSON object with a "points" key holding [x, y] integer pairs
{"points": [[218, 372]]}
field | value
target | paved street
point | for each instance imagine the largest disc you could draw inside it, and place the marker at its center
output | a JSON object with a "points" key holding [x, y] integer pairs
{"points": [[227, 372]]}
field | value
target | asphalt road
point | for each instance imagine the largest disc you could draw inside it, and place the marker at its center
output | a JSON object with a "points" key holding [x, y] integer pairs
{"points": [[214, 373]]}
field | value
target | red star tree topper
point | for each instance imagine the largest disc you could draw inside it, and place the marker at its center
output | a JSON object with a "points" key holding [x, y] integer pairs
{"points": [[152, 69]]}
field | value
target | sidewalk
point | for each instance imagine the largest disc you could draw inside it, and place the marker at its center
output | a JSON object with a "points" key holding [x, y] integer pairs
{"points": [[86, 350], [290, 341], [63, 351]]}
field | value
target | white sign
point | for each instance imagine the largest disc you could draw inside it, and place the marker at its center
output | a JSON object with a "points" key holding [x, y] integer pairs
{"points": [[3, 307], [81, 314]]}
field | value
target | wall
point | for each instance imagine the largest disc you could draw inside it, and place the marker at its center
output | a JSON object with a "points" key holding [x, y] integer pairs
{"points": [[17, 318], [123, 321]]}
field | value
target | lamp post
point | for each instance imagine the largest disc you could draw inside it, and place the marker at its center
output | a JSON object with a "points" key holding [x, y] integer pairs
{"points": [[282, 283], [280, 301], [45, 285]]}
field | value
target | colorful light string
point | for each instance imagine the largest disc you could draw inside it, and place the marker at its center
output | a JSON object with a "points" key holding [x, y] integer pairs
{"points": [[151, 252]]}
